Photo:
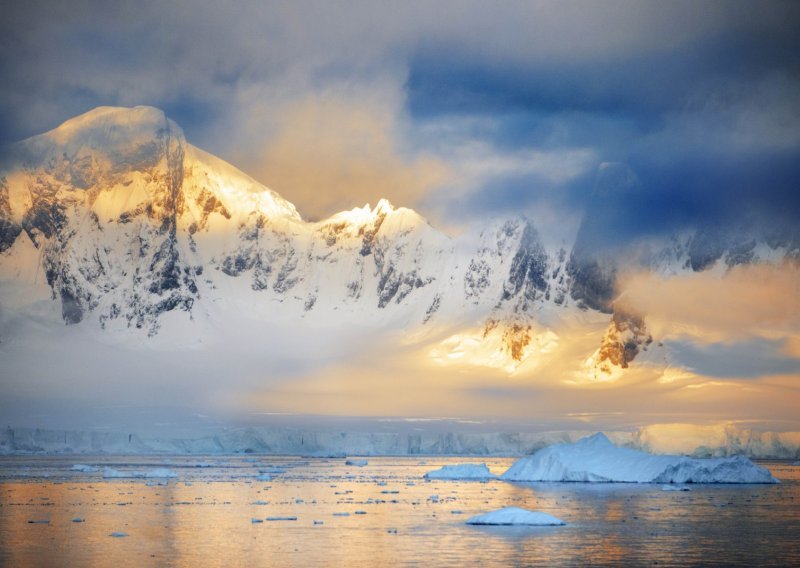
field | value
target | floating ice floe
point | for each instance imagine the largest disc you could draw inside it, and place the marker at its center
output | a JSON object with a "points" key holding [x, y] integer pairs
{"points": [[281, 518], [118, 534], [596, 459], [78, 520], [465, 471], [358, 463], [157, 473], [675, 488], [516, 516], [84, 468]]}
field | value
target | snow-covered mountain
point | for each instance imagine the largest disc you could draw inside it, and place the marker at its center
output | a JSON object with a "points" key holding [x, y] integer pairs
{"points": [[120, 223]]}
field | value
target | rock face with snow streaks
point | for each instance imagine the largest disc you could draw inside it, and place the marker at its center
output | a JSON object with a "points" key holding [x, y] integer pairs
{"points": [[127, 225]]}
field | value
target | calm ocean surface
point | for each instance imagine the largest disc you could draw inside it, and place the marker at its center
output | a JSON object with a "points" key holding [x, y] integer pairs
{"points": [[382, 514]]}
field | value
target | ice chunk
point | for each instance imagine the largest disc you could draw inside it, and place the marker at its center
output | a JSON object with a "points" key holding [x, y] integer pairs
{"points": [[255, 520], [461, 471], [359, 463], [118, 534], [596, 459], [78, 520], [281, 518], [84, 468], [160, 472], [675, 488], [515, 516]]}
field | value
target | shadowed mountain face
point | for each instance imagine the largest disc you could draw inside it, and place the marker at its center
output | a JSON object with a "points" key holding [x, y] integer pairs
{"points": [[128, 224]]}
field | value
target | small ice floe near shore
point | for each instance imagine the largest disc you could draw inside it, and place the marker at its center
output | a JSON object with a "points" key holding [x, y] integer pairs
{"points": [[355, 462], [462, 471], [84, 468], [516, 516], [675, 488], [596, 459], [157, 473]]}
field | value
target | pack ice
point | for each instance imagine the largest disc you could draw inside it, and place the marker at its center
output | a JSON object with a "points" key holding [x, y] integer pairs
{"points": [[596, 459]]}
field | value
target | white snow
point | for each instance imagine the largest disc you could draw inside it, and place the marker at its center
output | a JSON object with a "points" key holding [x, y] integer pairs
{"points": [[596, 459], [515, 516], [461, 471], [111, 473]]}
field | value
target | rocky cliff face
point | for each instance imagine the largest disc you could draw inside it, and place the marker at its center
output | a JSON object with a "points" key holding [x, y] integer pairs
{"points": [[128, 224]]}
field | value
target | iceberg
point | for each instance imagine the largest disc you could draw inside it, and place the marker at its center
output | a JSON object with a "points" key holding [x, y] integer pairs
{"points": [[461, 471], [84, 468], [516, 516], [111, 473], [596, 459]]}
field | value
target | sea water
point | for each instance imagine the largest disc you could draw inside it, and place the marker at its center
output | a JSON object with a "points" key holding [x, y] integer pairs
{"points": [[322, 512]]}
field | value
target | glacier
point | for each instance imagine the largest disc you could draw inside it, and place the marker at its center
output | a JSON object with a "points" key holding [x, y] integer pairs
{"points": [[721, 442], [596, 459]]}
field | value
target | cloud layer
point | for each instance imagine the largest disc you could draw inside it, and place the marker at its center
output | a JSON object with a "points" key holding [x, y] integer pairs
{"points": [[405, 101]]}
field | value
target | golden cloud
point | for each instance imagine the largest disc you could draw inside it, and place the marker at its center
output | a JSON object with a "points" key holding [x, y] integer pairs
{"points": [[761, 300], [329, 154]]}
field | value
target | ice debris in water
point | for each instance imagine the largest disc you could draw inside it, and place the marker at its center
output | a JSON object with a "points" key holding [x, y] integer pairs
{"points": [[358, 463], [461, 471], [160, 472], [118, 534], [515, 516], [84, 468], [596, 459]]}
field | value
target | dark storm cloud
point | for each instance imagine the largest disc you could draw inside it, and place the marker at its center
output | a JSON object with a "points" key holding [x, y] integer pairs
{"points": [[700, 99], [709, 126]]}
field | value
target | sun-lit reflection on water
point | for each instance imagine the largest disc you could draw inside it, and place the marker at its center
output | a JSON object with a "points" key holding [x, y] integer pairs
{"points": [[382, 514]]}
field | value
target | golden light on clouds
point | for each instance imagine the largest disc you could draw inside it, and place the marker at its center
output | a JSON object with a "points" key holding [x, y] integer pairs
{"points": [[750, 300], [329, 154]]}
